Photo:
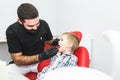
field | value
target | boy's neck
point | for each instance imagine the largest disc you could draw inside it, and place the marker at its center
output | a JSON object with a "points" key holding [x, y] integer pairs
{"points": [[67, 52]]}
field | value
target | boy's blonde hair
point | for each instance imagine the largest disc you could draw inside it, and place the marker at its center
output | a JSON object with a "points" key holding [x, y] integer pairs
{"points": [[72, 39]]}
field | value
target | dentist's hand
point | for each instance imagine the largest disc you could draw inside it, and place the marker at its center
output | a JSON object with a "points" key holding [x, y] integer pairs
{"points": [[48, 53], [55, 42]]}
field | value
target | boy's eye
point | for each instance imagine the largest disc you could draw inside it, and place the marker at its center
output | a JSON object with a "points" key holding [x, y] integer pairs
{"points": [[61, 39]]}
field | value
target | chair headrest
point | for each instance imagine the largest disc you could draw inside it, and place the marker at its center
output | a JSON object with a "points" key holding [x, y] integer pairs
{"points": [[78, 34]]}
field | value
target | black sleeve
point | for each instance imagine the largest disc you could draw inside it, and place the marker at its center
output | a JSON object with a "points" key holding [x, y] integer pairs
{"points": [[49, 35], [12, 41]]}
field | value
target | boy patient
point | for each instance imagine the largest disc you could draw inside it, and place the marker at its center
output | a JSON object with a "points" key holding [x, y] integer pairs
{"points": [[67, 45]]}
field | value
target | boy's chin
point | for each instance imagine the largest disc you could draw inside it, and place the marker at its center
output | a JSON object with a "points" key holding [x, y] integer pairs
{"points": [[59, 50]]}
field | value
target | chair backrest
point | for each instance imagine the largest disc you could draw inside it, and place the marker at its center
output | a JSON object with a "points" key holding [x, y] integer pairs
{"points": [[82, 53], [83, 56]]}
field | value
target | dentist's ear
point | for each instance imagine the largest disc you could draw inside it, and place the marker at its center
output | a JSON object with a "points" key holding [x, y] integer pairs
{"points": [[19, 21]]}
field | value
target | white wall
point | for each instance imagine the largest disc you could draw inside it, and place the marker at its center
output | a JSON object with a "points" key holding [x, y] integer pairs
{"points": [[91, 17], [8, 15], [88, 16]]}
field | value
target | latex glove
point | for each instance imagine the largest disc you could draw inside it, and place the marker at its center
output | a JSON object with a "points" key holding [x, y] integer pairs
{"points": [[48, 53], [55, 42]]}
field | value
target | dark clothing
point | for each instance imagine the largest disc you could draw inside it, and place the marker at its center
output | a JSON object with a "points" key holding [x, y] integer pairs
{"points": [[19, 40]]}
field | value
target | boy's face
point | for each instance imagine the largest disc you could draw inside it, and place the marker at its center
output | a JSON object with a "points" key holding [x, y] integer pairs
{"points": [[63, 43]]}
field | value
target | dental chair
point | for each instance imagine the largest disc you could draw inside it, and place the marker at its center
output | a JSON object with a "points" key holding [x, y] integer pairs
{"points": [[82, 54]]}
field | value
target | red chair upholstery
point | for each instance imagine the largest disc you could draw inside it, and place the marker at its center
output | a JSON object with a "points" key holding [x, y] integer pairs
{"points": [[78, 34], [83, 56], [41, 65], [81, 53]]}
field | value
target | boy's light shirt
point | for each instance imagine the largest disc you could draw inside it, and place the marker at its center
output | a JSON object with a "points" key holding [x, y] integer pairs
{"points": [[58, 61], [58, 58]]}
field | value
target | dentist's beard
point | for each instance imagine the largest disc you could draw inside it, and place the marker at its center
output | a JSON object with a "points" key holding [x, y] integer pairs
{"points": [[32, 31]]}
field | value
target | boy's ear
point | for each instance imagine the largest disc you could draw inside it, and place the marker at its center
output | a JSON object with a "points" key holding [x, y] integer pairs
{"points": [[69, 44]]}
